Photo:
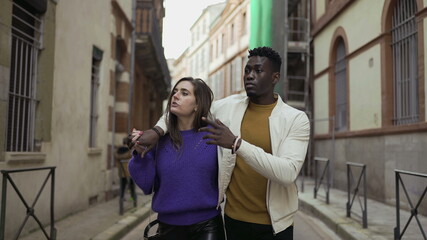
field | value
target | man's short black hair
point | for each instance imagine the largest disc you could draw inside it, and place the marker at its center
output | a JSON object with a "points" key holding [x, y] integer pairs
{"points": [[269, 53]]}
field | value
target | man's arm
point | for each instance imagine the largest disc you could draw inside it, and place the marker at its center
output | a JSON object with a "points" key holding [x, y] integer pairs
{"points": [[284, 166]]}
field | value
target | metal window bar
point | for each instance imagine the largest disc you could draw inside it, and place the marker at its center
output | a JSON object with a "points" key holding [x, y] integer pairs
{"points": [[414, 210], [30, 208], [341, 88], [318, 181], [298, 29], [296, 90], [26, 43], [405, 64], [94, 102], [30, 29], [355, 191]]}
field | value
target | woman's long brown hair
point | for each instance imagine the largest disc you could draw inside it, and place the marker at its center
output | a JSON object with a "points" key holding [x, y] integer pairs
{"points": [[204, 97]]}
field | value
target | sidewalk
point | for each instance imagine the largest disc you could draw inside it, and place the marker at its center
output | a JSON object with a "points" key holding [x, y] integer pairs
{"points": [[100, 222], [381, 217], [103, 222]]}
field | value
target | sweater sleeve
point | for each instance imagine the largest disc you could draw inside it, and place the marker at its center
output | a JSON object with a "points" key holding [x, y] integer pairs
{"points": [[143, 171]]}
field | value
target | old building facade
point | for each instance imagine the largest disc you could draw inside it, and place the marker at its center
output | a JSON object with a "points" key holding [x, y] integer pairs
{"points": [[370, 87], [72, 78]]}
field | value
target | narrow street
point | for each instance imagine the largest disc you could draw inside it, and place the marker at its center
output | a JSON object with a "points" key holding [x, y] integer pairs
{"points": [[306, 227]]}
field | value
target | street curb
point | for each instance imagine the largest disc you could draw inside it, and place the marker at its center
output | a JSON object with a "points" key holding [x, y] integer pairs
{"points": [[346, 228], [125, 225]]}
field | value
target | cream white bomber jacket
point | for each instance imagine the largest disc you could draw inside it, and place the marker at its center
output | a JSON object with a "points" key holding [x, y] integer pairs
{"points": [[289, 134]]}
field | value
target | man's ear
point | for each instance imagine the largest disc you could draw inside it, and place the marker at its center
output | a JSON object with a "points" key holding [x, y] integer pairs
{"points": [[276, 77]]}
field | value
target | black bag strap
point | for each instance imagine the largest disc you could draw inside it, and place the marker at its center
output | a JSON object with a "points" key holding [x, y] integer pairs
{"points": [[154, 222], [148, 227]]}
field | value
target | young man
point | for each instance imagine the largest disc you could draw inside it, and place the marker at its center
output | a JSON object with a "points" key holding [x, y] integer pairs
{"points": [[263, 144]]}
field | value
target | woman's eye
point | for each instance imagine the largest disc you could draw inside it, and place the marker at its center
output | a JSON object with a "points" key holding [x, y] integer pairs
{"points": [[184, 93]]}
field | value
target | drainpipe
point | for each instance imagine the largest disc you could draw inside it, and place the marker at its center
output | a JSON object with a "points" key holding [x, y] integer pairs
{"points": [[285, 54], [132, 65]]}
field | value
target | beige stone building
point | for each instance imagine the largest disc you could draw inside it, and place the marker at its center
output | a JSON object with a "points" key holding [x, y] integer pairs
{"points": [[369, 90], [198, 53], [73, 82], [180, 68], [229, 40]]}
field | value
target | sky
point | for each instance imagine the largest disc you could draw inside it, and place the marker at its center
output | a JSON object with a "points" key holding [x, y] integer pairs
{"points": [[180, 16]]}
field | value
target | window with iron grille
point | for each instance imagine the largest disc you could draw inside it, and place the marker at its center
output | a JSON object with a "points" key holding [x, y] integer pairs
{"points": [[341, 111], [405, 63], [25, 46], [236, 75], [96, 62]]}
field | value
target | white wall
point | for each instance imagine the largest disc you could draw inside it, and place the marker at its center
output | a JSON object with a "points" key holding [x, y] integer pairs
{"points": [[365, 90], [321, 104], [81, 171]]}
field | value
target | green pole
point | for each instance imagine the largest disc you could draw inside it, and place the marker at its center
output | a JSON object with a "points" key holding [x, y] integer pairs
{"points": [[261, 23]]}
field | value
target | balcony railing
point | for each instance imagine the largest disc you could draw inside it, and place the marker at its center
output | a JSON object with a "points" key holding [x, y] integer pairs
{"points": [[149, 47]]}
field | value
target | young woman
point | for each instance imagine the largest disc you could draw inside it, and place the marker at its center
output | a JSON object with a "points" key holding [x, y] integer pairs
{"points": [[183, 168]]}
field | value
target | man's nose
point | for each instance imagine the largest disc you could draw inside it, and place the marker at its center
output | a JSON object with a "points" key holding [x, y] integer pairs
{"points": [[249, 75]]}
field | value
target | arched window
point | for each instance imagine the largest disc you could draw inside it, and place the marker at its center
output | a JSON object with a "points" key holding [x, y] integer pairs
{"points": [[341, 110], [405, 62]]}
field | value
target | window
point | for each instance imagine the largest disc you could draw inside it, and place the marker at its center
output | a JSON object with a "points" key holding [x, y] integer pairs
{"points": [[231, 76], [25, 46], [236, 75], [217, 48], [340, 87], [96, 63], [211, 52], [223, 43], [405, 63], [232, 34], [243, 24], [202, 60]]}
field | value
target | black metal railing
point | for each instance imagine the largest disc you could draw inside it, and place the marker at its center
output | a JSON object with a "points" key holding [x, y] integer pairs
{"points": [[355, 191], [414, 209], [30, 208], [319, 180]]}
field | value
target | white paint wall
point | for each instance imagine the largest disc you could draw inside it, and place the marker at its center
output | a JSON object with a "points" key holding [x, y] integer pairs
{"points": [[365, 90], [321, 105], [80, 172], [364, 81]]}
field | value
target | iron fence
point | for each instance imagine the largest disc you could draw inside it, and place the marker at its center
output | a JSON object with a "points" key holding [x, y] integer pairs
{"points": [[414, 210], [30, 208], [318, 181], [355, 191]]}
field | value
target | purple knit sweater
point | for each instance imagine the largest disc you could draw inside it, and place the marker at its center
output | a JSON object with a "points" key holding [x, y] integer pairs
{"points": [[186, 180]]}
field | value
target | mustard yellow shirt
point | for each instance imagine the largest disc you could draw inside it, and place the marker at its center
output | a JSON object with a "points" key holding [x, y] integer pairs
{"points": [[246, 193]]}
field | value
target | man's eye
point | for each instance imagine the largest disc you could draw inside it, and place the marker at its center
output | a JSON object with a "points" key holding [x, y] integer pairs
{"points": [[258, 71], [247, 70]]}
